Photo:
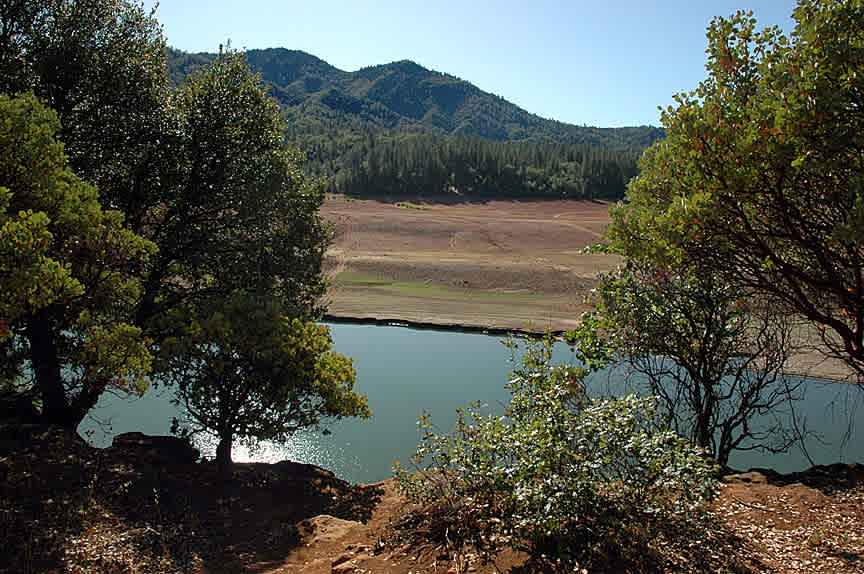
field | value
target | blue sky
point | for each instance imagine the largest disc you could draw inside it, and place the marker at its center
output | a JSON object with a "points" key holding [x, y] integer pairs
{"points": [[594, 62]]}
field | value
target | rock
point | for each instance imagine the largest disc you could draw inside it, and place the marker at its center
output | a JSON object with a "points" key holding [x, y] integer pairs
{"points": [[342, 558], [830, 477], [752, 477], [802, 493], [344, 568], [325, 529], [288, 467], [157, 448]]}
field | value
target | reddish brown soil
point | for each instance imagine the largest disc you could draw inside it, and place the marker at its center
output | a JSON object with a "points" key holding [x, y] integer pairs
{"points": [[66, 507]]}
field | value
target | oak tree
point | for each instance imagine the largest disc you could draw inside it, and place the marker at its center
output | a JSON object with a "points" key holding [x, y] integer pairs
{"points": [[245, 371], [761, 176], [69, 274], [233, 293]]}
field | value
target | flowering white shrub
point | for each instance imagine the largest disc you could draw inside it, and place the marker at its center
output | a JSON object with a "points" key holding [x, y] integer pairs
{"points": [[557, 474]]}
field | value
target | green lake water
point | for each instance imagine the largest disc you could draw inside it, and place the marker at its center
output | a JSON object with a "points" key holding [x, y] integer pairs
{"points": [[405, 371]]}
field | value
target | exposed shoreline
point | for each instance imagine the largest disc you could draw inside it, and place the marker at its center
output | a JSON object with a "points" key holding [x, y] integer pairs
{"points": [[498, 268], [431, 326], [798, 363]]}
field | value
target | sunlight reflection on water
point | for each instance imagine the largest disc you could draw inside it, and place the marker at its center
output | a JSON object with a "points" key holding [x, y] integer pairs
{"points": [[306, 445]]}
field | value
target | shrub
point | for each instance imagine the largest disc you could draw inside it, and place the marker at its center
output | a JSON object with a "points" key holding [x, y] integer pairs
{"points": [[558, 474]]}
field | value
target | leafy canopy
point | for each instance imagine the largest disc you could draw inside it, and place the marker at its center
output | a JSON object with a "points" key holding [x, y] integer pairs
{"points": [[240, 213], [232, 294], [100, 65], [761, 176], [68, 270], [243, 370]]}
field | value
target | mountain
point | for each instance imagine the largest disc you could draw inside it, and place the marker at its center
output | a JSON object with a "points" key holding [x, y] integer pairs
{"points": [[404, 97], [400, 129]]}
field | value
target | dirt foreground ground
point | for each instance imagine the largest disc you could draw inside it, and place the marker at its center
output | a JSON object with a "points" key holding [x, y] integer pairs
{"points": [[501, 265], [66, 507]]}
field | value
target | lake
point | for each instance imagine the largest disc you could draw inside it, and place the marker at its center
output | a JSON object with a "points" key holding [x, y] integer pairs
{"points": [[404, 371]]}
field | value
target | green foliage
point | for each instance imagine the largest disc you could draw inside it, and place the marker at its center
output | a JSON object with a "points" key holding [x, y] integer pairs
{"points": [[409, 205], [201, 172], [67, 268], [557, 473], [231, 295], [761, 175], [712, 359], [244, 370], [100, 65], [240, 213]]}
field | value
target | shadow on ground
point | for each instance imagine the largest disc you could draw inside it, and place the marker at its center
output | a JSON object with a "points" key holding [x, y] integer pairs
{"points": [[65, 506]]}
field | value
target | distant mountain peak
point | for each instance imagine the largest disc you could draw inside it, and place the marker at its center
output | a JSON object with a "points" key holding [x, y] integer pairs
{"points": [[404, 96]]}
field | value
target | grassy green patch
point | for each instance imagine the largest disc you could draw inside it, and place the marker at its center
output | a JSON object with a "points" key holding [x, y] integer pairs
{"points": [[409, 205], [424, 289]]}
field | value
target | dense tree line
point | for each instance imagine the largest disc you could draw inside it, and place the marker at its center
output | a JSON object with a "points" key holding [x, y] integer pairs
{"points": [[417, 164], [400, 129]]}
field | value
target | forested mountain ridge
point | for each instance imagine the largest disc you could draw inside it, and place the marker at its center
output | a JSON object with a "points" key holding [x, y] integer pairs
{"points": [[404, 96], [401, 129]]}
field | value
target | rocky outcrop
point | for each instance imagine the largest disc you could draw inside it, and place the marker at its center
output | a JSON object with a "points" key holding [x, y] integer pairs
{"points": [[156, 449]]}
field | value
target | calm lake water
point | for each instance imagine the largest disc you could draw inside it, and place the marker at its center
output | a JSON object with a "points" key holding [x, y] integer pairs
{"points": [[405, 371]]}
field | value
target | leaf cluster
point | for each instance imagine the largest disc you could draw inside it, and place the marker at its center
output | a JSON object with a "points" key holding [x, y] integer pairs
{"points": [[761, 174], [65, 259], [242, 367], [558, 473]]}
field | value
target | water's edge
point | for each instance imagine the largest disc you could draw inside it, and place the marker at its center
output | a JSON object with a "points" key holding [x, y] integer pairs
{"points": [[508, 331], [406, 372], [443, 327]]}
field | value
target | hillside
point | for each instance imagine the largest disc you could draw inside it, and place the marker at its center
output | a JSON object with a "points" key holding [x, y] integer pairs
{"points": [[404, 96]]}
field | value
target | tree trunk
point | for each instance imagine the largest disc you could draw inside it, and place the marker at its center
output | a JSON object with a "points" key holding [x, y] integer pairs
{"points": [[46, 370], [223, 453], [87, 398]]}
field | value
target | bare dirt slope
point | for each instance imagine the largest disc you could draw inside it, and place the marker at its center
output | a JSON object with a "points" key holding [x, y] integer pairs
{"points": [[810, 523], [498, 264]]}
